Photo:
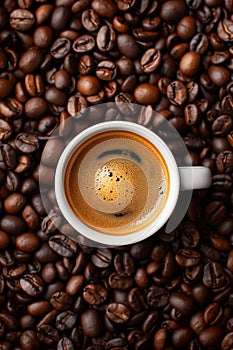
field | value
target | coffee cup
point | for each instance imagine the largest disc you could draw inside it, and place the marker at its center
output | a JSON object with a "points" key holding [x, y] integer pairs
{"points": [[117, 182]]}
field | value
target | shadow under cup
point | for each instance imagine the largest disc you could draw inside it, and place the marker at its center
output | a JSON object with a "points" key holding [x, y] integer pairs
{"points": [[116, 183]]}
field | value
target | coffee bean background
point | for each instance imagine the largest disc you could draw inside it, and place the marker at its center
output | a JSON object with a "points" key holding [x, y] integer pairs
{"points": [[57, 58]]}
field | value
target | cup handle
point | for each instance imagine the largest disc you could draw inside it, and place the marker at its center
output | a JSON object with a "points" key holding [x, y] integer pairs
{"points": [[194, 177]]}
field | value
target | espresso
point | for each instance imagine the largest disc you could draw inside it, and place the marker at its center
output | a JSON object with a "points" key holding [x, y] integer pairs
{"points": [[116, 182]]}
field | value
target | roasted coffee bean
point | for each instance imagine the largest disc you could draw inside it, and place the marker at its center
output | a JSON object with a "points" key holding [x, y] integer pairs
{"points": [[27, 143], [60, 18], [27, 242], [106, 38], [213, 276], [55, 96], [12, 224], [4, 240], [187, 257], [177, 93], [77, 105], [115, 281], [95, 294], [14, 203], [66, 320], [224, 162], [215, 212], [47, 334], [227, 341], [10, 107], [30, 217], [74, 284], [128, 46], [5, 130], [84, 43], [118, 313], [34, 84], [185, 304], [106, 8], [199, 43], [62, 80], [124, 102], [210, 336], [102, 258], [31, 60], [28, 186], [47, 125], [186, 28], [52, 151], [63, 245], [35, 107], [5, 87], [31, 284], [22, 20], [136, 299], [190, 63], [219, 75], [146, 93], [90, 20], [65, 344], [39, 308], [7, 157], [225, 30], [212, 314], [222, 125], [151, 60], [38, 205], [173, 10], [88, 85], [92, 323], [43, 37], [86, 65], [124, 264], [106, 70], [61, 301], [157, 297], [60, 48], [190, 236], [29, 340]]}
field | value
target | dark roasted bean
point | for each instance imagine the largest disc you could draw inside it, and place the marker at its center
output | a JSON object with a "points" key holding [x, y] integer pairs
{"points": [[66, 320], [91, 322], [65, 344], [173, 10], [84, 43], [95, 294], [118, 313], [61, 301], [106, 70], [12, 224], [63, 245], [31, 284], [102, 258], [60, 48], [27, 143], [177, 93], [157, 297], [151, 60], [47, 334], [22, 20]]}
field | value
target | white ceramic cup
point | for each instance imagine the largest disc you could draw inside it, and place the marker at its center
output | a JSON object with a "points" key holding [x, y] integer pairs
{"points": [[181, 178]]}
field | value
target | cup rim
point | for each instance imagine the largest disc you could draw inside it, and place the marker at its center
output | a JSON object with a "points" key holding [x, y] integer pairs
{"points": [[108, 239]]}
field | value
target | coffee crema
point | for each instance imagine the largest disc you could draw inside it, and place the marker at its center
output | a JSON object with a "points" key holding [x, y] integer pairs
{"points": [[116, 182]]}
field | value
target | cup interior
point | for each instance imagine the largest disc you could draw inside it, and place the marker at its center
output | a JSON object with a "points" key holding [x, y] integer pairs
{"points": [[107, 239]]}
